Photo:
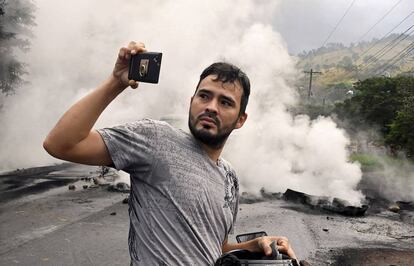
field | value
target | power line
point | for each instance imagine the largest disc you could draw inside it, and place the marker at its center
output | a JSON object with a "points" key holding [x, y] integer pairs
{"points": [[376, 59], [339, 22], [402, 54], [382, 18], [386, 35], [376, 70], [388, 47]]}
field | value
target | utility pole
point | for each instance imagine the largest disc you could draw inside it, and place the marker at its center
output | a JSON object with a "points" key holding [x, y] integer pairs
{"points": [[311, 72]]}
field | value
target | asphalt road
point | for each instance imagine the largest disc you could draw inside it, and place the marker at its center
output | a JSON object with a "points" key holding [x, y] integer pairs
{"points": [[89, 226]]}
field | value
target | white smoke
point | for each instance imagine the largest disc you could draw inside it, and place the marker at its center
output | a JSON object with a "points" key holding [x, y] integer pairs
{"points": [[75, 47], [390, 178], [396, 181]]}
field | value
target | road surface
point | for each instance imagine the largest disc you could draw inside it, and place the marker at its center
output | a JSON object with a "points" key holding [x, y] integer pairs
{"points": [[58, 226]]}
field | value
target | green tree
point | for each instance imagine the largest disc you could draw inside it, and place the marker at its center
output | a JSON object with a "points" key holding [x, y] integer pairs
{"points": [[16, 20], [375, 102], [386, 102], [401, 133]]}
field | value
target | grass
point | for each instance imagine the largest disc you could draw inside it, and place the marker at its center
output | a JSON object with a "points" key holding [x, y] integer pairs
{"points": [[368, 162], [373, 162]]}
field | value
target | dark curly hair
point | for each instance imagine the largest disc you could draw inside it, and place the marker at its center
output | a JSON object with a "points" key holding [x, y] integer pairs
{"points": [[229, 73]]}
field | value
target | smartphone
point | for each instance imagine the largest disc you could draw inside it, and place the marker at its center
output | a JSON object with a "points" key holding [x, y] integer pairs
{"points": [[145, 67], [249, 236]]}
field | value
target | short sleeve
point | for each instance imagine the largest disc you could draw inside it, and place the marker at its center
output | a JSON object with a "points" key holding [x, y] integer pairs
{"points": [[132, 146]]}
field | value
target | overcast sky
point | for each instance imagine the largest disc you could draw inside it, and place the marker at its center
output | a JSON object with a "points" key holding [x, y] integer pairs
{"points": [[305, 24]]}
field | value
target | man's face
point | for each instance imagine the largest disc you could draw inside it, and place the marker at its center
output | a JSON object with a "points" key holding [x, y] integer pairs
{"points": [[214, 111]]}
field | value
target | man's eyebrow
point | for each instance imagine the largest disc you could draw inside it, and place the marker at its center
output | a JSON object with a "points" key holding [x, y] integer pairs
{"points": [[228, 99], [204, 90]]}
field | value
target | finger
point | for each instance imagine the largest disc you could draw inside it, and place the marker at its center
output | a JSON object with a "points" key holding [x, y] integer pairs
{"points": [[133, 84], [267, 250], [265, 243], [136, 47], [287, 250], [133, 45], [283, 246], [138, 50], [122, 52], [282, 249], [283, 242], [291, 254]]}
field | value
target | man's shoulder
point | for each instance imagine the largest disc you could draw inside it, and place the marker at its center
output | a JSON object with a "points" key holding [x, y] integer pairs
{"points": [[165, 131], [149, 123]]}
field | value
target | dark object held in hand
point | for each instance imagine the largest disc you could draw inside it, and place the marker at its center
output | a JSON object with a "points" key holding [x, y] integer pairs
{"points": [[249, 236], [241, 257], [145, 67]]}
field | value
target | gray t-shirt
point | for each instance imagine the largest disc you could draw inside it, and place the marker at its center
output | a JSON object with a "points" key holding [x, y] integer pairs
{"points": [[182, 204]]}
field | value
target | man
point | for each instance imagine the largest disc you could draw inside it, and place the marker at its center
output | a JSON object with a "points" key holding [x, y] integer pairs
{"points": [[184, 196]]}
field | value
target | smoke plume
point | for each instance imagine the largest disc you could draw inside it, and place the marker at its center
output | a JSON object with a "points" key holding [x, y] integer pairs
{"points": [[76, 45]]}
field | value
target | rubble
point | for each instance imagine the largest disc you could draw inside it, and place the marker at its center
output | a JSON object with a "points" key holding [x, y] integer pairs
{"points": [[336, 205], [394, 208], [246, 198], [104, 171], [86, 179], [126, 200], [72, 187], [100, 181], [343, 207], [406, 205], [120, 187], [96, 181]]}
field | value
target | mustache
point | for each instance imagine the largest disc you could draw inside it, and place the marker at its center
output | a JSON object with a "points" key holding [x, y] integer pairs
{"points": [[209, 115]]}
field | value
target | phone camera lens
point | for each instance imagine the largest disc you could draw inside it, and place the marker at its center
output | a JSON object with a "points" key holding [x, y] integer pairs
{"points": [[142, 70]]}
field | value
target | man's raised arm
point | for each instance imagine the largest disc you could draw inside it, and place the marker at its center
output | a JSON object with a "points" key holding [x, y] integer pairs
{"points": [[72, 139]]}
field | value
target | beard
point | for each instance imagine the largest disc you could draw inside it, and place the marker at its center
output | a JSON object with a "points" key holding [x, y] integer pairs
{"points": [[203, 135]]}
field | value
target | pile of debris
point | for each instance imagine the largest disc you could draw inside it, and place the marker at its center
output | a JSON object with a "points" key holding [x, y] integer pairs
{"points": [[335, 205]]}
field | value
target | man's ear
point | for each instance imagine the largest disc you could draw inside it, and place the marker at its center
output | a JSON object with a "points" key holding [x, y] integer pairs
{"points": [[240, 121]]}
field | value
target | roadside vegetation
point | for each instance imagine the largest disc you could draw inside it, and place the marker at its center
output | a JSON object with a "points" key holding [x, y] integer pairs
{"points": [[360, 97]]}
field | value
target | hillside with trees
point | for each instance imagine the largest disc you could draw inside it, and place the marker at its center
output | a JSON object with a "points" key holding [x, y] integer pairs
{"points": [[364, 86], [342, 66]]}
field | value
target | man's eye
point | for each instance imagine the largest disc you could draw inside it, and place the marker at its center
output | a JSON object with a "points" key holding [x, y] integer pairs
{"points": [[203, 96], [226, 103]]}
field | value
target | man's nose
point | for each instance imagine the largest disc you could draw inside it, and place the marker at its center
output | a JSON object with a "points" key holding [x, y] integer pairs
{"points": [[212, 106]]}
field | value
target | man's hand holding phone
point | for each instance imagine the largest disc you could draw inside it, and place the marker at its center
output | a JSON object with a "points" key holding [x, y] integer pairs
{"points": [[121, 68], [135, 64]]}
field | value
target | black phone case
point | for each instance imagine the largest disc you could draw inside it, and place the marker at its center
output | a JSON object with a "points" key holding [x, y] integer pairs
{"points": [[145, 67], [249, 236]]}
